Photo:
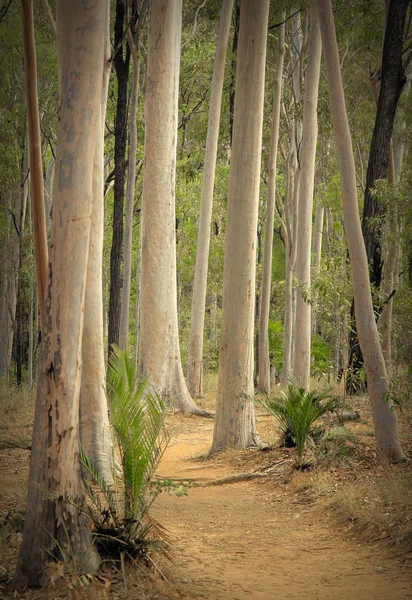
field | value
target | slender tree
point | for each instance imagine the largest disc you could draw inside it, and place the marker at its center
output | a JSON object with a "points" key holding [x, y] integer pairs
{"points": [[121, 63], [264, 361], [195, 354], [55, 527], [235, 422], [159, 352], [134, 40], [301, 365], [35, 156], [387, 440]]}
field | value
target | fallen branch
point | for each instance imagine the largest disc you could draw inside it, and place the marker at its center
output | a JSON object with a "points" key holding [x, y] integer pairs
{"points": [[231, 479]]}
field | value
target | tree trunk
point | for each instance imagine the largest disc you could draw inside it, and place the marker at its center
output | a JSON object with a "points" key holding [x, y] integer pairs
{"points": [[235, 421], [159, 352], [301, 366], [121, 63], [134, 44], [264, 361], [292, 194], [316, 255], [36, 165], [95, 433], [391, 84], [195, 352], [386, 432], [233, 73], [53, 526], [8, 290]]}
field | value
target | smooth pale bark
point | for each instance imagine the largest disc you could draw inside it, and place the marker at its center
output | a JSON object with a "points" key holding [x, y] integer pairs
{"points": [[195, 351], [301, 365], [316, 254], [94, 420], [159, 352], [297, 57], [264, 361], [291, 201], [385, 423], [235, 421], [54, 527], [134, 44], [36, 165]]}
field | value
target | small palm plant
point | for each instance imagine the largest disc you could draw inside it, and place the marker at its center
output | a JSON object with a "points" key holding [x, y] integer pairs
{"points": [[296, 411], [138, 418]]}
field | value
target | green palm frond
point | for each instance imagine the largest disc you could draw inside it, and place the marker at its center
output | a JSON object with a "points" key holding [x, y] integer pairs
{"points": [[296, 410], [138, 417], [103, 497]]}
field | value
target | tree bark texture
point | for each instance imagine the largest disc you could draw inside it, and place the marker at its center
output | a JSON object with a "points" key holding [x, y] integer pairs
{"points": [[264, 361], [35, 156], [235, 422], [159, 351], [195, 351], [386, 432], [95, 432], [133, 39], [291, 199], [316, 255], [121, 64], [301, 365], [53, 526], [391, 84]]}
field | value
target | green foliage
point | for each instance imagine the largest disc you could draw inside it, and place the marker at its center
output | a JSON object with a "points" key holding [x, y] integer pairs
{"points": [[333, 442], [400, 394], [321, 364], [138, 418], [275, 330], [296, 411]]}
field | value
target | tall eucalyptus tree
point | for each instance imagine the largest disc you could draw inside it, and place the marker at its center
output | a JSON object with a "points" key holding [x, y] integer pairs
{"points": [[235, 422], [53, 526], [386, 432], [195, 357], [159, 352]]}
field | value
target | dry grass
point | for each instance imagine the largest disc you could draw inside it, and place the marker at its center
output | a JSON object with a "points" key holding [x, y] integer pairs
{"points": [[16, 415], [377, 506]]}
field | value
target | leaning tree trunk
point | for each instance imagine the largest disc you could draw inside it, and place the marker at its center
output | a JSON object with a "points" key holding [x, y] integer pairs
{"points": [[386, 432], [392, 80], [195, 352], [55, 528], [35, 157], [159, 352], [235, 421], [264, 360], [301, 365]]}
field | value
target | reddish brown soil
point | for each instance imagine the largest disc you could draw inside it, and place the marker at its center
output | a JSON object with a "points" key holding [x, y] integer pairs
{"points": [[257, 540]]}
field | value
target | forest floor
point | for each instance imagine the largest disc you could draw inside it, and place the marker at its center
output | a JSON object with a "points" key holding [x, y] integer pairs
{"points": [[251, 526]]}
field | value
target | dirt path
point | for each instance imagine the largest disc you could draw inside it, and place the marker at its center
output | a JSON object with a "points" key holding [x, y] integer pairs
{"points": [[256, 540]]}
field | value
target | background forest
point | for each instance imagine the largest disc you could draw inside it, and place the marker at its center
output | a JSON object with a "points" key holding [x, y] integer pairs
{"points": [[254, 128], [359, 31]]}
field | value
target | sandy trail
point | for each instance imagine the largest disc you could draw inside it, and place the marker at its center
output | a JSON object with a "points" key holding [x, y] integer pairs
{"points": [[257, 540]]}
